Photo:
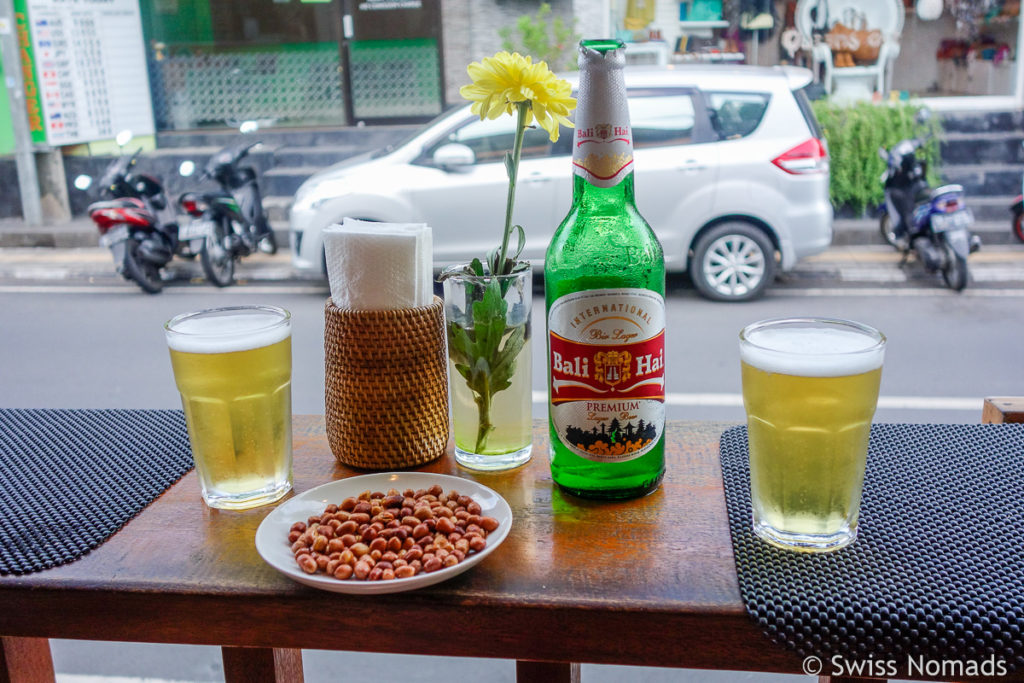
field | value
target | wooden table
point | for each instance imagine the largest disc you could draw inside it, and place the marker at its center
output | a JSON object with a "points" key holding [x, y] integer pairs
{"points": [[646, 582]]}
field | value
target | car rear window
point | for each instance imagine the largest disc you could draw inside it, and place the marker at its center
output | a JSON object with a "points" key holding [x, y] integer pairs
{"points": [[736, 115], [804, 102]]}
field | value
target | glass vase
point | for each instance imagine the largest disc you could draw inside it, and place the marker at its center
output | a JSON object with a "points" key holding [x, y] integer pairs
{"points": [[490, 368]]}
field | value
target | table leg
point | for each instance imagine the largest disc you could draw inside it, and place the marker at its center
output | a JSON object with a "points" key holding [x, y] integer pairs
{"points": [[261, 665], [25, 660], [547, 672], [1000, 410]]}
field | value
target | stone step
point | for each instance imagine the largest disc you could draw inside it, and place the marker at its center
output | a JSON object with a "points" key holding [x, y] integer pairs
{"points": [[286, 181], [985, 180], [319, 157], [983, 122], [982, 148], [362, 136]]}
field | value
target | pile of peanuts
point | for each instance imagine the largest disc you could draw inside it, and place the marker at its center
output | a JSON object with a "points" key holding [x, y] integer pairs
{"points": [[382, 536]]}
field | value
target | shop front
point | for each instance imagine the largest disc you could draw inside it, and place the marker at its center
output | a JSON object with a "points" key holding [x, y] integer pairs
{"points": [[858, 49], [214, 63]]}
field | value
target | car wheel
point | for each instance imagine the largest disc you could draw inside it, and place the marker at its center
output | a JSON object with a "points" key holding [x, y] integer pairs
{"points": [[732, 262]]}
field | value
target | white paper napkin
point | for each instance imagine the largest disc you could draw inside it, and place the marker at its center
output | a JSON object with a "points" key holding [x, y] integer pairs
{"points": [[379, 266]]}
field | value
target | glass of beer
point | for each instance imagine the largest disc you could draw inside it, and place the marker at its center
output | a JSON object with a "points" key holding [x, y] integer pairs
{"points": [[810, 388], [233, 368]]}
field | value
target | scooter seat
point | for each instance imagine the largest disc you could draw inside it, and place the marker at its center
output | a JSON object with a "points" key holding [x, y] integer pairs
{"points": [[947, 189]]}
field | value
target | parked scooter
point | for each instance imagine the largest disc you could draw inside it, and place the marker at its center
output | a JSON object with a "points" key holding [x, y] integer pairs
{"points": [[1017, 208], [135, 220], [933, 224], [230, 220]]}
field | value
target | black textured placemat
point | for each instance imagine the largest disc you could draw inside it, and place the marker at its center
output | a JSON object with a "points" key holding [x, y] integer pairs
{"points": [[70, 478], [937, 570]]}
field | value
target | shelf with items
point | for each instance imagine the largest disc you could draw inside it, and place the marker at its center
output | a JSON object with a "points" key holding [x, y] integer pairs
{"points": [[702, 25]]}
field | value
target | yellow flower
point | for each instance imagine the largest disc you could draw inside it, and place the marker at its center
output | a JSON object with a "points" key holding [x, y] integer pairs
{"points": [[503, 81]]}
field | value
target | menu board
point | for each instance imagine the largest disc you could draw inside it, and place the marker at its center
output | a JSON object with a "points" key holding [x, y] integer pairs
{"points": [[87, 64]]}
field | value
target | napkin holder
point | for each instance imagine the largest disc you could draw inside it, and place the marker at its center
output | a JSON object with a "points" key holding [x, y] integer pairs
{"points": [[386, 382]]}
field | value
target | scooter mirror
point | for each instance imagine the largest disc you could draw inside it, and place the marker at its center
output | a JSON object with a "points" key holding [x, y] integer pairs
{"points": [[187, 168], [83, 182], [123, 138], [923, 115], [248, 127]]}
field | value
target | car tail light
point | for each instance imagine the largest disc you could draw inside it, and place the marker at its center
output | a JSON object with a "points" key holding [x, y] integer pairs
{"points": [[807, 157]]}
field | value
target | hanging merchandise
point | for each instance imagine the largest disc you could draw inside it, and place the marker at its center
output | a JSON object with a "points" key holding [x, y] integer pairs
{"points": [[968, 15], [929, 10], [639, 14], [757, 19]]}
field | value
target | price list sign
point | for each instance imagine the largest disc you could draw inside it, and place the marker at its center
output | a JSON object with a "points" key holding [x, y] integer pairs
{"points": [[87, 65]]}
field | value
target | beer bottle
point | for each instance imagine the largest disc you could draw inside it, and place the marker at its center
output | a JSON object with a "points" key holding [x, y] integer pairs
{"points": [[604, 279]]}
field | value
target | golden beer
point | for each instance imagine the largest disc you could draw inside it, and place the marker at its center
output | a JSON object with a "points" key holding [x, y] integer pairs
{"points": [[810, 388], [233, 370]]}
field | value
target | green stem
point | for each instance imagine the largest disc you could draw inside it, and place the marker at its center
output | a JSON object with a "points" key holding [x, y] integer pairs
{"points": [[513, 174], [484, 426]]}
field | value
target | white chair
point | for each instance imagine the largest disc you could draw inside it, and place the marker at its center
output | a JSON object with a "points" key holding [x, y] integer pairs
{"points": [[816, 18]]}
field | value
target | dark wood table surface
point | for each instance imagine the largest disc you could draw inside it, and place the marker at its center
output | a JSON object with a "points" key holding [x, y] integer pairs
{"points": [[645, 582]]}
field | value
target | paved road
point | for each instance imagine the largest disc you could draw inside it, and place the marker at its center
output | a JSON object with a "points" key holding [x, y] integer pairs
{"points": [[74, 335]]}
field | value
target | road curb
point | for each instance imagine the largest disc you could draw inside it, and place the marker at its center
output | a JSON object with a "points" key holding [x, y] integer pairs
{"points": [[82, 233]]}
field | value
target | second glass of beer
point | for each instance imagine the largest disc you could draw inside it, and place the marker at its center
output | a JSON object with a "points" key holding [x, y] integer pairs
{"points": [[810, 388], [233, 368]]}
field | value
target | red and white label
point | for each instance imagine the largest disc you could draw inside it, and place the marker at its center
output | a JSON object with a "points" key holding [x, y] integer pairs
{"points": [[607, 371]]}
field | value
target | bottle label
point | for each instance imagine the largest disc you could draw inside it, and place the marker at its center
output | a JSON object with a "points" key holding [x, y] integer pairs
{"points": [[603, 153], [607, 361]]}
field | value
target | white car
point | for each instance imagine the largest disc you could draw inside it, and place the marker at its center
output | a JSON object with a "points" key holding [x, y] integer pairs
{"points": [[731, 172]]}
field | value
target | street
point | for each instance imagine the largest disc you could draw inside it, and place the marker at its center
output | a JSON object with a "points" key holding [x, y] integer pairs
{"points": [[76, 336]]}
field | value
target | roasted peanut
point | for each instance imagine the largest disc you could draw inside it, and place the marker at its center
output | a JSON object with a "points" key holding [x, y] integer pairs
{"points": [[379, 537]]}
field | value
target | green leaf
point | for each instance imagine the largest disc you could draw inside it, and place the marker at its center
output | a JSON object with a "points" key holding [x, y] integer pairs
{"points": [[521, 243], [510, 166]]}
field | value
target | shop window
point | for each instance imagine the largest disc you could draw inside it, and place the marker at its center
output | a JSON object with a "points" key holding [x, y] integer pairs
{"points": [[661, 121], [736, 115]]}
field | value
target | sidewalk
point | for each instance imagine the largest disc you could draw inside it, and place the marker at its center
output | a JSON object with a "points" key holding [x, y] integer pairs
{"points": [[70, 252], [81, 232]]}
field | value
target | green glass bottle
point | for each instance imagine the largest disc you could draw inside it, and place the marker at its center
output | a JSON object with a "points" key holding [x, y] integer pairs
{"points": [[604, 279]]}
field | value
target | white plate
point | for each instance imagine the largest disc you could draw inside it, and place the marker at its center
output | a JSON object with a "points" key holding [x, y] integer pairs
{"points": [[272, 535]]}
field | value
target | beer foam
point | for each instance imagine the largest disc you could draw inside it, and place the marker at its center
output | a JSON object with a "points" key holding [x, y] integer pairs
{"points": [[811, 351], [227, 332]]}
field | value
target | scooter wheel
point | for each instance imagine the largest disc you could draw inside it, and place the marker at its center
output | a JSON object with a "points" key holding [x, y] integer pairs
{"points": [[955, 270], [1018, 228], [145, 274], [887, 231]]}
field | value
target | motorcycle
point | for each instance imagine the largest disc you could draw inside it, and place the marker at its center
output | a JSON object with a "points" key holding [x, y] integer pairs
{"points": [[229, 221], [933, 224], [135, 220], [1017, 208]]}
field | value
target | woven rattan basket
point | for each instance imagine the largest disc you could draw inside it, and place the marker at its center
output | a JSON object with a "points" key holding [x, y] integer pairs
{"points": [[386, 385]]}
